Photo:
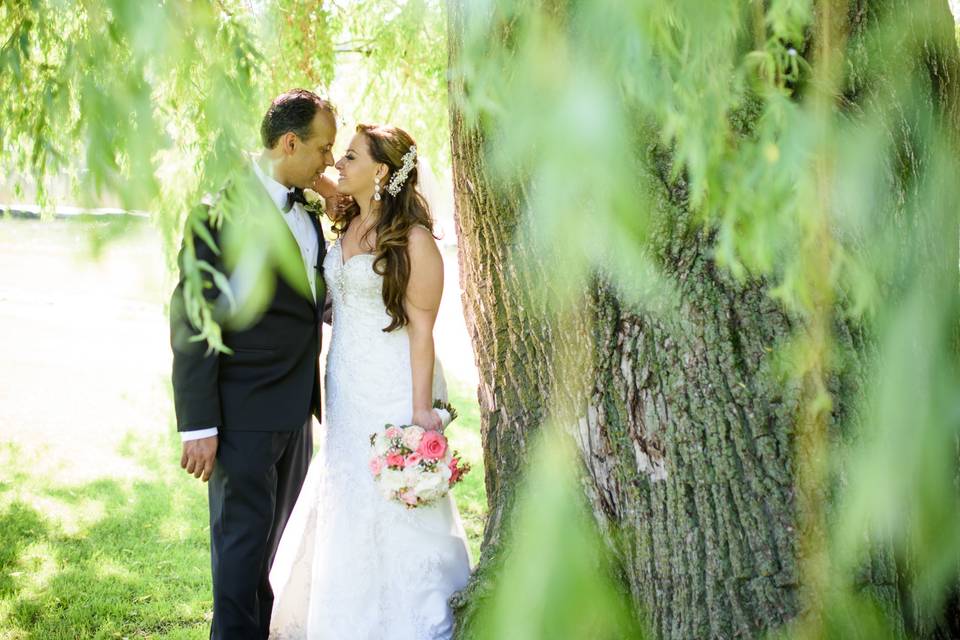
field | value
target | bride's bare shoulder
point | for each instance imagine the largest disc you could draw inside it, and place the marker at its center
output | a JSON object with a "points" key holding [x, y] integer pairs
{"points": [[420, 240], [426, 263]]}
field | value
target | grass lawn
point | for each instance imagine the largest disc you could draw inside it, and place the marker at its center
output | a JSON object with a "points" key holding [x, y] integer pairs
{"points": [[107, 558], [111, 558], [101, 534], [471, 494]]}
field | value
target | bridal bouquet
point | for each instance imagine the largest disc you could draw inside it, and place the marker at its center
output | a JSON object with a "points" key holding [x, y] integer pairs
{"points": [[416, 467]]}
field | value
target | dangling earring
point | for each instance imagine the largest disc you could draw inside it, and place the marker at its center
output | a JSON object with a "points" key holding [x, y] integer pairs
{"points": [[376, 188]]}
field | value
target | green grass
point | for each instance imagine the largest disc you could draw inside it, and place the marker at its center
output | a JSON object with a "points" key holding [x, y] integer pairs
{"points": [[104, 559], [464, 436], [121, 558]]}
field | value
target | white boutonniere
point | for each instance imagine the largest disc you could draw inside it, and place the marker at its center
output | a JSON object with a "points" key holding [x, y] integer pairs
{"points": [[314, 201], [315, 205]]}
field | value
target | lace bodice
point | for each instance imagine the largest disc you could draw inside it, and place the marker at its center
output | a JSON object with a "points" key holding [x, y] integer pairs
{"points": [[356, 288]]}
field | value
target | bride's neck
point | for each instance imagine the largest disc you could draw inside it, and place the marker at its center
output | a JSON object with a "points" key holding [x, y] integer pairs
{"points": [[368, 215]]}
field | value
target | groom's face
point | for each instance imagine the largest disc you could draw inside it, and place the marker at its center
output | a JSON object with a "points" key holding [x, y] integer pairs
{"points": [[307, 158]]}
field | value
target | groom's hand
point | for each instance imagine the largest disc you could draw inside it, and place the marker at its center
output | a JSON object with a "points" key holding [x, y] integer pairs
{"points": [[199, 456]]}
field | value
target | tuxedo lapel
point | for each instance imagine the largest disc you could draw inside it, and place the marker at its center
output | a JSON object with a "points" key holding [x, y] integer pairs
{"points": [[272, 206], [267, 202]]}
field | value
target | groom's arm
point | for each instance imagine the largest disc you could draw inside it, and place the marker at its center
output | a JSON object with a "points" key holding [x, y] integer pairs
{"points": [[196, 391], [195, 369]]}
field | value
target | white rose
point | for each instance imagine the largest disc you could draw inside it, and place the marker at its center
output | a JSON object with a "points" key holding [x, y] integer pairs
{"points": [[412, 437], [311, 196], [430, 484], [446, 473], [381, 445], [391, 480], [411, 476]]}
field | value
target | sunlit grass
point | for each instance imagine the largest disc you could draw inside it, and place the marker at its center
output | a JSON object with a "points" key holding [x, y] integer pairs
{"points": [[97, 564], [130, 558], [471, 494], [113, 557]]}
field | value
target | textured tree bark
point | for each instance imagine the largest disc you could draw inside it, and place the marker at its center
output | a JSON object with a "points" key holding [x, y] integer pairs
{"points": [[687, 436]]}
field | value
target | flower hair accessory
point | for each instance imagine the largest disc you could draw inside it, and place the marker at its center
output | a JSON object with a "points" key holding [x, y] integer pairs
{"points": [[396, 182]]}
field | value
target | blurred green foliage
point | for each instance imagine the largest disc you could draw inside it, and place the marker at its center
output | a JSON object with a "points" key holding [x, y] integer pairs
{"points": [[557, 581], [823, 155], [392, 66], [154, 103], [145, 101]]}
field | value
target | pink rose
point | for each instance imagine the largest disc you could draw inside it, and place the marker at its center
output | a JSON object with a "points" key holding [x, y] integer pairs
{"points": [[433, 445], [409, 497], [457, 471], [393, 432], [395, 460], [412, 459], [376, 465]]}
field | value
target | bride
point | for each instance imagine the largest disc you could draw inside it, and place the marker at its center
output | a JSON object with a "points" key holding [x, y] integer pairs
{"points": [[352, 564]]}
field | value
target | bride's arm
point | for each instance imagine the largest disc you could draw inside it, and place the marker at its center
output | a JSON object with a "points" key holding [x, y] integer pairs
{"points": [[421, 303], [327, 189]]}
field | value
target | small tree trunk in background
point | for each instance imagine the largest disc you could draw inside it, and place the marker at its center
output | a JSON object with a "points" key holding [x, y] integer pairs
{"points": [[686, 432]]}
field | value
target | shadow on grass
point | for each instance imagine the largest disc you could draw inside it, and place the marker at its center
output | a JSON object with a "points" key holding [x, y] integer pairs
{"points": [[139, 569], [138, 564], [20, 526]]}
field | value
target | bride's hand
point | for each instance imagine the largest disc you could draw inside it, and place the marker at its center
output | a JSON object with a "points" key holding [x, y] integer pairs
{"points": [[343, 202], [427, 419], [326, 187], [335, 203]]}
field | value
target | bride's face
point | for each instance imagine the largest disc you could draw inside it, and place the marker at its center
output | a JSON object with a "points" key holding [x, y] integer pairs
{"points": [[358, 169]]}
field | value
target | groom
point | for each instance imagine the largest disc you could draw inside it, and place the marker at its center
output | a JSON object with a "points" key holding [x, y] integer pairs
{"points": [[246, 418]]}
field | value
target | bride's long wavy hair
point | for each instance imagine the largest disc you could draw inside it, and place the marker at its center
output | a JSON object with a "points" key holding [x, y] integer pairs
{"points": [[398, 214]]}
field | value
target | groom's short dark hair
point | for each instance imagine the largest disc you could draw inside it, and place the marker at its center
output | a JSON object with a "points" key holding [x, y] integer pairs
{"points": [[293, 111]]}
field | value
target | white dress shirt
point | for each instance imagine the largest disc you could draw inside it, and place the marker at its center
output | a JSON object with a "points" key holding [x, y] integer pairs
{"points": [[306, 236]]}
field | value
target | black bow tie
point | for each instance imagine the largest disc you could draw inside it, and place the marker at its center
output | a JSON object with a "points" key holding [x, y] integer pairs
{"points": [[292, 197]]}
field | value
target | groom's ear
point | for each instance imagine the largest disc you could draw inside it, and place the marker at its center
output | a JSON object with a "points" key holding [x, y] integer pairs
{"points": [[288, 142]]}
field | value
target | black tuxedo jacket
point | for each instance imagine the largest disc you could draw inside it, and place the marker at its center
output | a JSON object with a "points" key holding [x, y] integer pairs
{"points": [[271, 381]]}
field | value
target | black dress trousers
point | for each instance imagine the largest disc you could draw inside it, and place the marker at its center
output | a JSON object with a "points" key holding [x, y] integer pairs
{"points": [[255, 483]]}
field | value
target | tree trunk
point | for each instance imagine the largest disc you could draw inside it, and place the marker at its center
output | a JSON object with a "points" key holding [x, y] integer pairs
{"points": [[686, 434]]}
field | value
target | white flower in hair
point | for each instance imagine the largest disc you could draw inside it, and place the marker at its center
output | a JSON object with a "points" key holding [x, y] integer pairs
{"points": [[396, 182]]}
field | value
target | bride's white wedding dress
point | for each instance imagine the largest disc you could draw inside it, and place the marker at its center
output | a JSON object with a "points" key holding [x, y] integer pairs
{"points": [[351, 564]]}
